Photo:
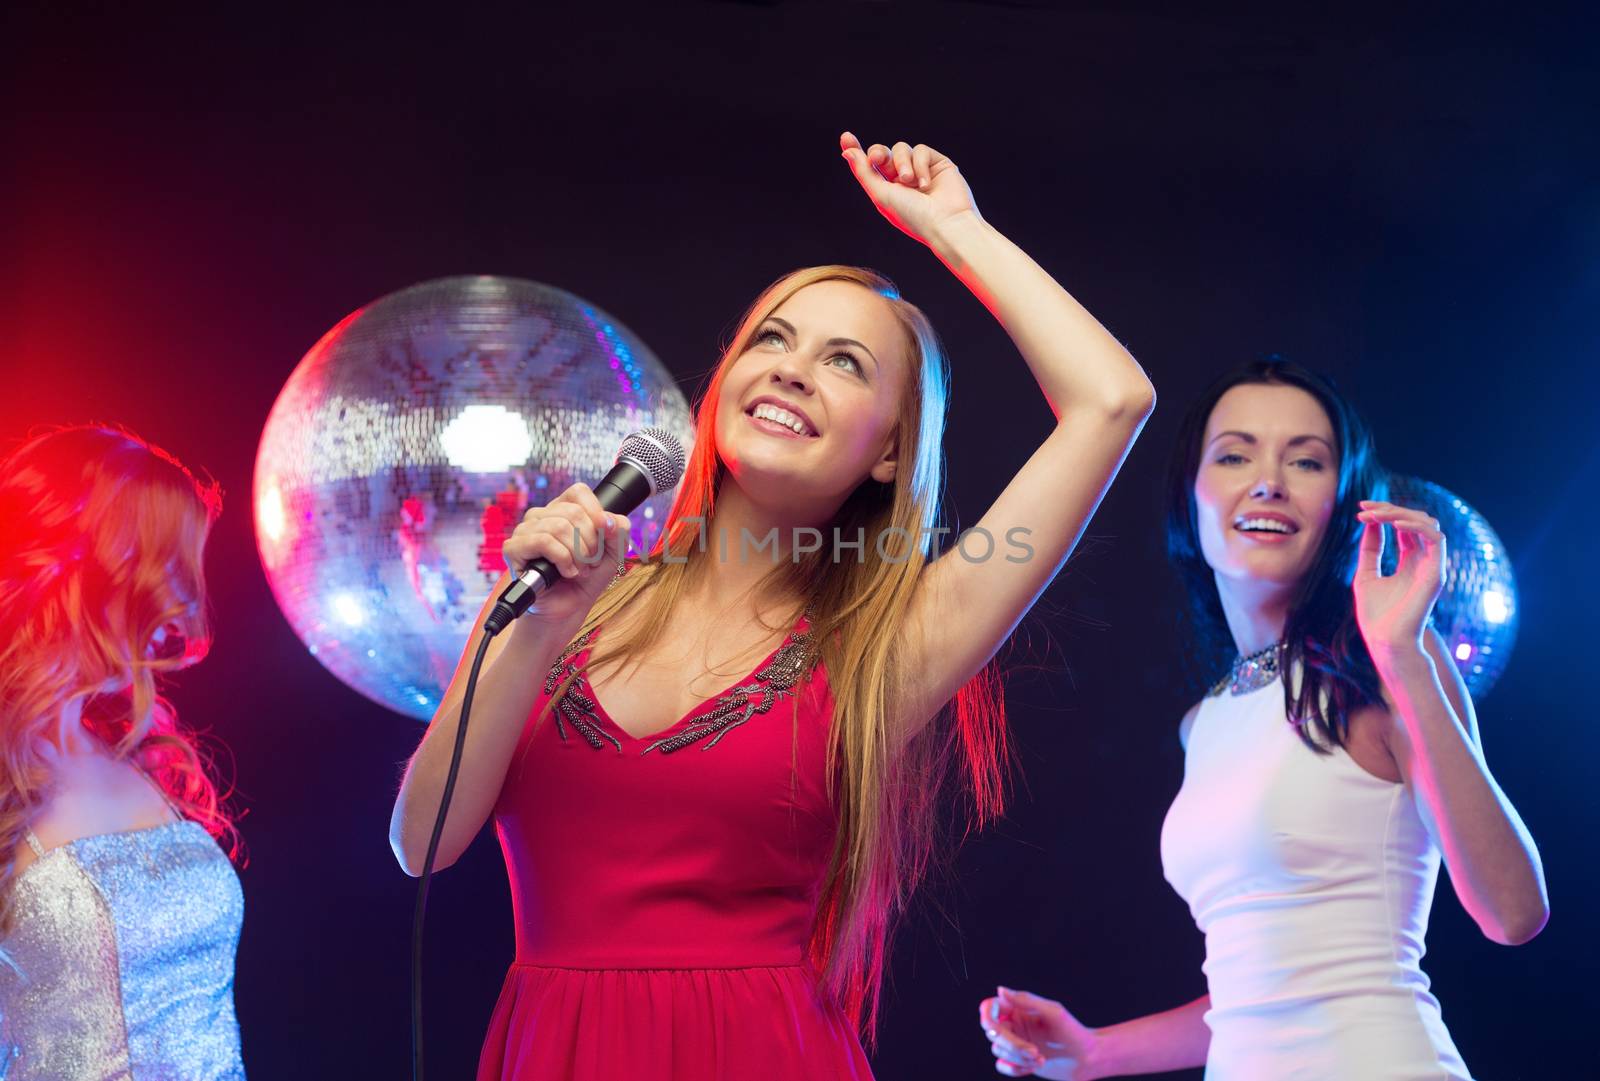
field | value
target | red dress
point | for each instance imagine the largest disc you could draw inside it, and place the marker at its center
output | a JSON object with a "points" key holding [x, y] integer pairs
{"points": [[664, 888]]}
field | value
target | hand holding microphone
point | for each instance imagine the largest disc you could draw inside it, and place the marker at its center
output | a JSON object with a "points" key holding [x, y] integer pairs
{"points": [[582, 535], [579, 541]]}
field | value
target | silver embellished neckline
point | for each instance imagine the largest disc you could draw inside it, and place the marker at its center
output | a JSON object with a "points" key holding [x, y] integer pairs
{"points": [[1251, 673]]}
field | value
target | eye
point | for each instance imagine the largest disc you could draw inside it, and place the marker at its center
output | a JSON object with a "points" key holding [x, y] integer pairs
{"points": [[850, 362], [763, 336], [1310, 465], [1230, 458]]}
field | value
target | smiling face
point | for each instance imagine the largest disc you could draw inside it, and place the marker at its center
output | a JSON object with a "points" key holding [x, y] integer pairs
{"points": [[1267, 484], [812, 405]]}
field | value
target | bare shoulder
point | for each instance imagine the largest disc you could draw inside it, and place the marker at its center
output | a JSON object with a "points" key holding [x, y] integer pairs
{"points": [[1185, 725], [94, 795]]}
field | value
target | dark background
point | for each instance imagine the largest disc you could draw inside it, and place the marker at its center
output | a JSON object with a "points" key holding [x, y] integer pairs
{"points": [[1409, 200]]}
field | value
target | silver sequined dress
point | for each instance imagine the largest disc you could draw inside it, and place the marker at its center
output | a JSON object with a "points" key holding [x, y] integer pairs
{"points": [[121, 961]]}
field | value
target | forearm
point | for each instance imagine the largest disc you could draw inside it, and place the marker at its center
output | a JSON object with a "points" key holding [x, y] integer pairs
{"points": [[507, 689], [1493, 861], [1175, 1039], [1076, 361]]}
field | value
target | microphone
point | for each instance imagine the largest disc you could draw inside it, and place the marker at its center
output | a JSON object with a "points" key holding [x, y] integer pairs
{"points": [[649, 461]]}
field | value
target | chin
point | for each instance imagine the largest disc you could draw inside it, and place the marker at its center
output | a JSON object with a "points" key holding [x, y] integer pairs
{"points": [[1279, 568]]}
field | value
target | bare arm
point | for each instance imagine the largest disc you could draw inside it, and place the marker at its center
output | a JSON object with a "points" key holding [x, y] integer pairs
{"points": [[1034, 1036], [1098, 393], [513, 672], [1493, 861], [570, 531]]}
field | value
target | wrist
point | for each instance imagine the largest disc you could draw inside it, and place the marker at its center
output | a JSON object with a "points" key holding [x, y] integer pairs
{"points": [[951, 236], [540, 634], [1099, 1055], [1400, 660]]}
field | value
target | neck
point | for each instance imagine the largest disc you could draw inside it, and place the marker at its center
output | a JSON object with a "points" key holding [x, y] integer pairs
{"points": [[67, 738], [733, 565], [1256, 612]]}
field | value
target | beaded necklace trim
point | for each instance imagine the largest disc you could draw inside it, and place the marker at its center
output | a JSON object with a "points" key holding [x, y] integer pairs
{"points": [[1250, 673], [766, 687]]}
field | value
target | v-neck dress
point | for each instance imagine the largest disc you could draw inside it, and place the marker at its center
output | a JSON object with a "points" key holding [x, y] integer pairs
{"points": [[664, 888]]}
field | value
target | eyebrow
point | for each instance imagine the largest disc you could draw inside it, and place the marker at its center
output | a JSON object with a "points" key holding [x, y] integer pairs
{"points": [[789, 327], [1246, 437]]}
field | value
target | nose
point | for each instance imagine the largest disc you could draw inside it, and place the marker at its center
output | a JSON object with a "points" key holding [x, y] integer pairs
{"points": [[1268, 486], [790, 372]]}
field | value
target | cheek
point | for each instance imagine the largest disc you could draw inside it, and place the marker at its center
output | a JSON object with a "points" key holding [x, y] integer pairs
{"points": [[1211, 507], [1319, 507]]}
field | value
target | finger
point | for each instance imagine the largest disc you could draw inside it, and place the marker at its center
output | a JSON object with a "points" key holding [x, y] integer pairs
{"points": [[1369, 556], [905, 172], [848, 141], [1014, 1049], [618, 538], [538, 542], [937, 162], [583, 496], [862, 169], [1394, 515], [922, 162], [882, 160], [1013, 1069], [1024, 999], [573, 524], [1413, 533]]}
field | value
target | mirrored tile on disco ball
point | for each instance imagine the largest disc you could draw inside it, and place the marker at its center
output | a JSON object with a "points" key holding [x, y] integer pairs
{"points": [[406, 446]]}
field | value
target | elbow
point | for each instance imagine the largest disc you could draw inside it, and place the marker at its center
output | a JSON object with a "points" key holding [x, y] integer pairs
{"points": [[1519, 927], [411, 853], [1135, 402], [404, 854]]}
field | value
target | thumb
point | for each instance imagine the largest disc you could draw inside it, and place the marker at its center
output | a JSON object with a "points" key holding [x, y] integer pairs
{"points": [[1023, 999], [1369, 556]]}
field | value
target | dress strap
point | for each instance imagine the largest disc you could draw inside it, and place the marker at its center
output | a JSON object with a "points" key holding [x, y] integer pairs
{"points": [[33, 842]]}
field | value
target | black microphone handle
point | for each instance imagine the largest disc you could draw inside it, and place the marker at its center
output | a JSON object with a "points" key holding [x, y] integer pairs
{"points": [[619, 492]]}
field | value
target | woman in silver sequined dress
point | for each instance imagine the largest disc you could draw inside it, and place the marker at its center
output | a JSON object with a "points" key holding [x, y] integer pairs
{"points": [[119, 912]]}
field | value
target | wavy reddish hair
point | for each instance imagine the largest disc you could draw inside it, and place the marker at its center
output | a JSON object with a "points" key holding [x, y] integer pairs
{"points": [[102, 541]]}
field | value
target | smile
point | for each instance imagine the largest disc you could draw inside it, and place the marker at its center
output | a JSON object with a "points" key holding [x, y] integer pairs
{"points": [[769, 416]]}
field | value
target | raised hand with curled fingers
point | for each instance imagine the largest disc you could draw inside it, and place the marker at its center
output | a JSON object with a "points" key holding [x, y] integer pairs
{"points": [[1032, 1036], [917, 188], [1392, 610]]}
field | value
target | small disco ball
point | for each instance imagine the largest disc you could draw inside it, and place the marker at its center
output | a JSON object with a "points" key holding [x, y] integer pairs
{"points": [[1477, 608], [405, 448]]}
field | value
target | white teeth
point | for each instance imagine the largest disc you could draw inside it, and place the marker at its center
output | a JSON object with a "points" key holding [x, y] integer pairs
{"points": [[767, 411], [1267, 525]]}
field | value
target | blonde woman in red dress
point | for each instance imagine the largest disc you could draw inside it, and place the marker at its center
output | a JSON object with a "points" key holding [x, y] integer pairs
{"points": [[713, 776]]}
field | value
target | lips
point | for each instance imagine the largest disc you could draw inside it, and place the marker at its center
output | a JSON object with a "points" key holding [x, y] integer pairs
{"points": [[1266, 523], [779, 413]]}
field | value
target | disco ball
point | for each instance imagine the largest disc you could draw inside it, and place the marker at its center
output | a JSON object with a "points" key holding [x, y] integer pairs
{"points": [[406, 446], [1477, 608]]}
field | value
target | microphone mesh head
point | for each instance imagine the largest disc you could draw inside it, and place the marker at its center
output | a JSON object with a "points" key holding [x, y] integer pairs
{"points": [[657, 452]]}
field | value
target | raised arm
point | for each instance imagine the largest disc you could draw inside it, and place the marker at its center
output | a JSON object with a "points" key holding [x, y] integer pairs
{"points": [[1492, 859], [569, 532], [1098, 393]]}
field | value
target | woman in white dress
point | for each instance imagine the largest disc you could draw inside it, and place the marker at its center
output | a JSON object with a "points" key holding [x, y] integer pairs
{"points": [[1325, 774]]}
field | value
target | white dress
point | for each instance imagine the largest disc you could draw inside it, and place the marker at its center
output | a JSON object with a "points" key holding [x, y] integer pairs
{"points": [[1311, 880]]}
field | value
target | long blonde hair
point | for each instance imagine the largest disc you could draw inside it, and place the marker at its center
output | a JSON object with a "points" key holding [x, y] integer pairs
{"points": [[885, 788], [104, 537]]}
